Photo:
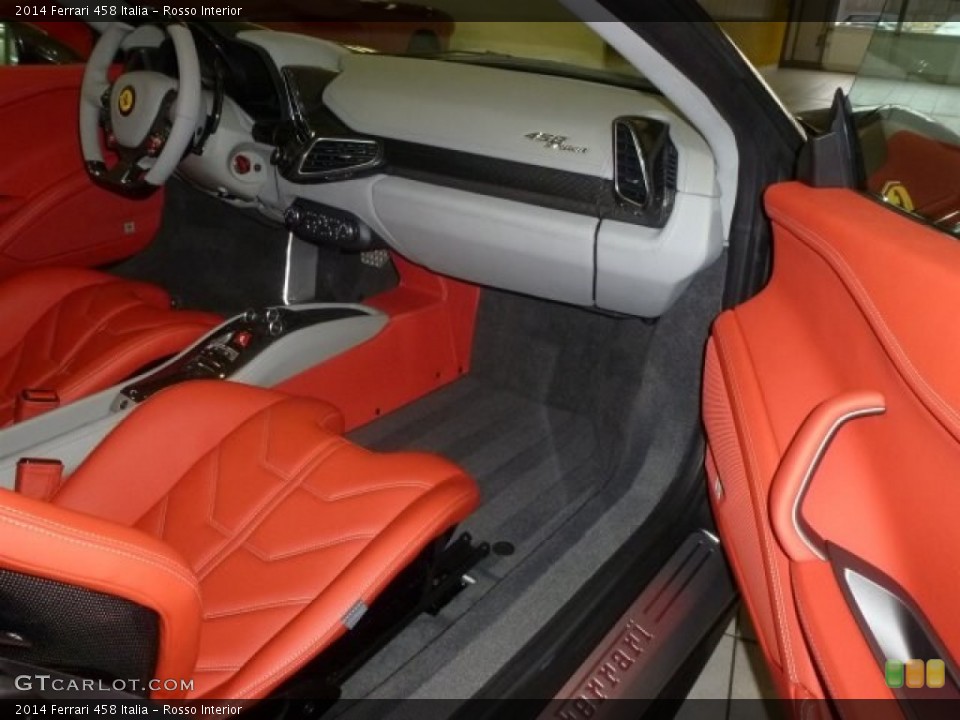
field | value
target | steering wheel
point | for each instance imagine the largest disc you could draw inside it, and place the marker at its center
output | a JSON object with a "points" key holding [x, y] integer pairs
{"points": [[148, 119]]}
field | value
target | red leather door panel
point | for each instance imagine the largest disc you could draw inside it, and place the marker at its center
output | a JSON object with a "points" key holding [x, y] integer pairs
{"points": [[50, 212], [854, 341]]}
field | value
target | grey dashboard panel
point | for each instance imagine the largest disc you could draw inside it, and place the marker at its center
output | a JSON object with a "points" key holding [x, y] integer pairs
{"points": [[506, 244], [478, 194], [491, 111], [641, 271]]}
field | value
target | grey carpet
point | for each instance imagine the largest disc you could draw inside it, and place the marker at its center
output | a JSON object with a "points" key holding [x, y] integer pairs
{"points": [[535, 464], [639, 384], [540, 422]]}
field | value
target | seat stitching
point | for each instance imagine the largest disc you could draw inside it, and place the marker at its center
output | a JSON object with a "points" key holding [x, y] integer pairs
{"points": [[331, 414], [124, 550], [54, 330], [93, 328], [265, 679], [214, 487], [296, 470], [263, 509], [257, 509], [55, 526], [256, 608], [49, 329], [269, 557], [346, 494], [163, 516]]}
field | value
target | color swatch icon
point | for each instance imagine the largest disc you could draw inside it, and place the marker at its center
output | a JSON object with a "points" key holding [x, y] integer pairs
{"points": [[893, 674], [936, 674], [915, 673]]}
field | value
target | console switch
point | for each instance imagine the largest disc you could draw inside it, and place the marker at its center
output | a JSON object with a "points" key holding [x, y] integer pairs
{"points": [[241, 339]]}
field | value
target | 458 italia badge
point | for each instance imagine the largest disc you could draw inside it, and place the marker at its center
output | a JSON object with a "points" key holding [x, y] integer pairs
{"points": [[126, 100], [555, 142]]}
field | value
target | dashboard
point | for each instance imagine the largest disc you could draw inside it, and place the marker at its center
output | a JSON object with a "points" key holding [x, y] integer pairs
{"points": [[586, 193]]}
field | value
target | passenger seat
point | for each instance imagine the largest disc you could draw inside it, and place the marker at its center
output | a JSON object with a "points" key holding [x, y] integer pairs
{"points": [[222, 533]]}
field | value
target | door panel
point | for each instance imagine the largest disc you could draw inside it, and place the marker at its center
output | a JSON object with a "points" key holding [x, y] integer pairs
{"points": [[861, 307], [50, 212]]}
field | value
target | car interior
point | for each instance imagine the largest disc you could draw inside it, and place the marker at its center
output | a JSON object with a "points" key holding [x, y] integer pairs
{"points": [[319, 370]]}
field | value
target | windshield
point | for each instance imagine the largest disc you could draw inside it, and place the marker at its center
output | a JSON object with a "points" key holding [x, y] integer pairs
{"points": [[556, 43]]}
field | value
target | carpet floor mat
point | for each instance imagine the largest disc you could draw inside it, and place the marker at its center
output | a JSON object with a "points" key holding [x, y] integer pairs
{"points": [[535, 464]]}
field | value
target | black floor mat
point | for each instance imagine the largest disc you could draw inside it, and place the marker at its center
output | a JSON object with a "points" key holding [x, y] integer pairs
{"points": [[537, 423], [535, 464]]}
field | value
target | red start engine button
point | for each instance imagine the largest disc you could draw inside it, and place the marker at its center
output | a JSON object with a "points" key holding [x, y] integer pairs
{"points": [[241, 164], [241, 339]]}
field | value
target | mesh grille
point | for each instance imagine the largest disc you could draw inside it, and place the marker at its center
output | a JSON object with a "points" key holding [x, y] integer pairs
{"points": [[77, 631]]}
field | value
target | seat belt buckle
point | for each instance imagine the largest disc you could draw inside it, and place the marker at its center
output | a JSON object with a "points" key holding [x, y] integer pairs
{"points": [[32, 402], [38, 478]]}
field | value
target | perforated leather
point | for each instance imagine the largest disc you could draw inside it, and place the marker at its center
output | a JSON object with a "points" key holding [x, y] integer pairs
{"points": [[78, 331]]}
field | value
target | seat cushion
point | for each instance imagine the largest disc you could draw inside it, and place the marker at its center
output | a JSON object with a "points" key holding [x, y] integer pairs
{"points": [[77, 331], [289, 529]]}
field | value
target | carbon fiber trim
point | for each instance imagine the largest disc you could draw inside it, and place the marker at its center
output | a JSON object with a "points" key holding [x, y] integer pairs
{"points": [[510, 180]]}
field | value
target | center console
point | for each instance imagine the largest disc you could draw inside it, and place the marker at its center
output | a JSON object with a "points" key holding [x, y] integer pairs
{"points": [[259, 347], [233, 350]]}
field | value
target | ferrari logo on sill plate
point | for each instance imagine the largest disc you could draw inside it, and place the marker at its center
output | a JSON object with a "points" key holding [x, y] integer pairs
{"points": [[126, 100]]}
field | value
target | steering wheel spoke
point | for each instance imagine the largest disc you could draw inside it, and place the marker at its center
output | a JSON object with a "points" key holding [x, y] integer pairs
{"points": [[148, 119]]}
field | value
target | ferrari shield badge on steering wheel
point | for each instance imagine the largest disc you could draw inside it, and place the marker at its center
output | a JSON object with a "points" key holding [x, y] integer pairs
{"points": [[126, 100]]}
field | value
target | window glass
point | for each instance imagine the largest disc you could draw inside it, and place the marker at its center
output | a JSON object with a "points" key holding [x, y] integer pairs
{"points": [[907, 100]]}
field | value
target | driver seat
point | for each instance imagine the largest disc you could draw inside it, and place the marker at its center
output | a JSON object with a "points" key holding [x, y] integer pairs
{"points": [[70, 332]]}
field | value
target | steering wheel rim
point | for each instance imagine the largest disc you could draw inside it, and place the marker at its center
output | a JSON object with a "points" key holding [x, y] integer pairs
{"points": [[147, 133]]}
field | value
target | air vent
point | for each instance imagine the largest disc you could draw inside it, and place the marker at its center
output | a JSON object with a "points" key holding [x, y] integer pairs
{"points": [[632, 178], [645, 170], [335, 156], [665, 168]]}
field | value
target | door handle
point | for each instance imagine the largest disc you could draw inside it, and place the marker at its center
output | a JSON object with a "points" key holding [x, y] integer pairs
{"points": [[799, 463]]}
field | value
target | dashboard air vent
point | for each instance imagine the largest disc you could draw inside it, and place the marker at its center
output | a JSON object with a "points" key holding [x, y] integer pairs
{"points": [[631, 173], [645, 163], [335, 156]]}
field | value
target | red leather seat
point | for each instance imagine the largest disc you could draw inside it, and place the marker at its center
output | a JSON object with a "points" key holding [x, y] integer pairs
{"points": [[76, 331], [241, 517]]}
